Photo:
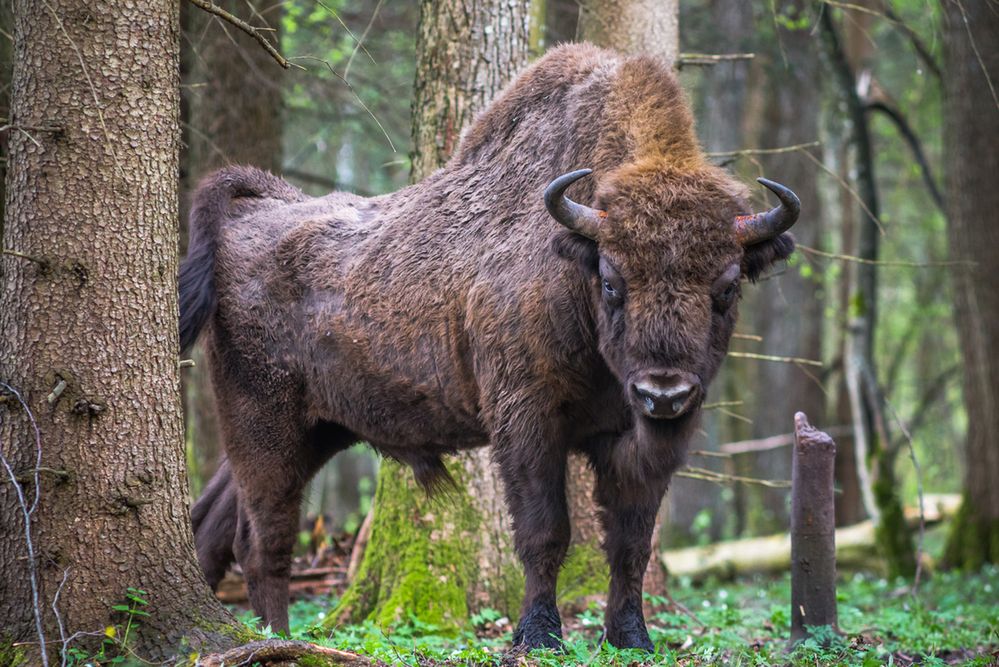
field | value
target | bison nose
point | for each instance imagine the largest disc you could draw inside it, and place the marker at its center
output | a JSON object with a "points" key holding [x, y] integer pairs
{"points": [[666, 396]]}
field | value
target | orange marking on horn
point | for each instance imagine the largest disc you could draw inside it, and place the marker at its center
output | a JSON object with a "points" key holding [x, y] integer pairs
{"points": [[602, 214]]}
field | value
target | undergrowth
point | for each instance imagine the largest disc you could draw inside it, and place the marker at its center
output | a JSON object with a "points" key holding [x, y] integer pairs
{"points": [[954, 619]]}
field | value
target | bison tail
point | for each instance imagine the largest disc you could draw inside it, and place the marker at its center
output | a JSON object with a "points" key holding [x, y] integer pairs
{"points": [[214, 519], [210, 208]]}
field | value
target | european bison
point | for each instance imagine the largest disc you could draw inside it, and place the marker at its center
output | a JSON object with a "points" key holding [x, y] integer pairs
{"points": [[459, 312]]}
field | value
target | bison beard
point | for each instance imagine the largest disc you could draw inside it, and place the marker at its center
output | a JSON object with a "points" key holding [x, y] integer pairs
{"points": [[458, 313]]}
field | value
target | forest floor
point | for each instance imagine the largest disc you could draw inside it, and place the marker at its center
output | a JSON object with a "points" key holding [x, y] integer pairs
{"points": [[952, 619]]}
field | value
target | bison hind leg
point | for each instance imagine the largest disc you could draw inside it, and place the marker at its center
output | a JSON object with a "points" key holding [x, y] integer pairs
{"points": [[213, 519]]}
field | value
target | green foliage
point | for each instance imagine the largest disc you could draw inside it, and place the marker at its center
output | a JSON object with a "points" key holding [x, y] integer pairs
{"points": [[954, 617], [116, 644]]}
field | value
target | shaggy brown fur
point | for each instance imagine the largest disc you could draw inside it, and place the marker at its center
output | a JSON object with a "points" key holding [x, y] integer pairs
{"points": [[456, 313]]}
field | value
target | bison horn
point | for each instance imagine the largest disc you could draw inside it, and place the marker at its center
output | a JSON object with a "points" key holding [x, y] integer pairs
{"points": [[759, 227], [580, 219]]}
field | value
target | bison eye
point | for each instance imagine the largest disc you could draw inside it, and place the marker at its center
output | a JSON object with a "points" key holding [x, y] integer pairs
{"points": [[724, 300], [612, 295], [609, 289]]}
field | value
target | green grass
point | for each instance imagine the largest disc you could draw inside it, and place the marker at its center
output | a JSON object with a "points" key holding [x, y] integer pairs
{"points": [[953, 620]]}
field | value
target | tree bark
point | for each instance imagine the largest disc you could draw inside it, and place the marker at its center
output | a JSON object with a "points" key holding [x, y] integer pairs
{"points": [[786, 310], [91, 194], [875, 453], [813, 530], [971, 133], [443, 558], [633, 27], [226, 125]]}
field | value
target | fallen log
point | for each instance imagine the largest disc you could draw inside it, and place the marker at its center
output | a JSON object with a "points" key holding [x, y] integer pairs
{"points": [[855, 547], [282, 652]]}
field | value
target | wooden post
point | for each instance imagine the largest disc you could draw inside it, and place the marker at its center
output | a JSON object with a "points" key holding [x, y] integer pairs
{"points": [[813, 530]]}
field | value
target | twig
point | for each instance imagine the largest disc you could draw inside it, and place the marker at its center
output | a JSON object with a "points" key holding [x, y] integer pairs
{"points": [[23, 129], [44, 263], [720, 404], [360, 42], [752, 337], [772, 357], [706, 475], [186, 363], [774, 442], [709, 59], [917, 41], [26, 513], [766, 151], [255, 33], [56, 391], [883, 262], [351, 88]]}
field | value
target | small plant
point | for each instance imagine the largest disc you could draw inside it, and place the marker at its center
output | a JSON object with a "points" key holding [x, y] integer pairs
{"points": [[115, 648]]}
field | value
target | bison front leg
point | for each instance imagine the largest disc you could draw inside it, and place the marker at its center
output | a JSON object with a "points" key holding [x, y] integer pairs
{"points": [[628, 517], [534, 477]]}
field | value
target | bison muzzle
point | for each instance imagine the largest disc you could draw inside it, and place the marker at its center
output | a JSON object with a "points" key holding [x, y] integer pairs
{"points": [[481, 307]]}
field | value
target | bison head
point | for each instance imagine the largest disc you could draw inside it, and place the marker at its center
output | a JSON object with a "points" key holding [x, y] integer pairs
{"points": [[666, 251]]}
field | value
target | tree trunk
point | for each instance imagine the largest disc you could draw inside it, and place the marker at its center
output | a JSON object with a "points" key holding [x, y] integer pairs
{"points": [[443, 558], [875, 452], [971, 134], [225, 126], [786, 310], [88, 332], [700, 511], [633, 26]]}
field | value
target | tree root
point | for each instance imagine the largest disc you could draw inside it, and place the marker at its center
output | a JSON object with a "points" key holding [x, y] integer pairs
{"points": [[282, 652]]}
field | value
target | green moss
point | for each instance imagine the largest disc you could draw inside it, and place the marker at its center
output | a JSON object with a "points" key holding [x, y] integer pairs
{"points": [[238, 632], [584, 573], [10, 655], [973, 540], [892, 535], [421, 559]]}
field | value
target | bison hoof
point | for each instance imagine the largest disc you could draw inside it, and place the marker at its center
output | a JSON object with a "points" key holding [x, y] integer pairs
{"points": [[539, 627], [627, 629]]}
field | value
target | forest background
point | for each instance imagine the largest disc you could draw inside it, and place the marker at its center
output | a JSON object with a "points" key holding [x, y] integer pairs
{"points": [[881, 115]]}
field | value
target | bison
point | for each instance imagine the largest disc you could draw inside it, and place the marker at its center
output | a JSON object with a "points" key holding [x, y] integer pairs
{"points": [[481, 307]]}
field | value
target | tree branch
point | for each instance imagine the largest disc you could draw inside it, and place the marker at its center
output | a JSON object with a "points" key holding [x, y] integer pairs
{"points": [[910, 137], [255, 33]]}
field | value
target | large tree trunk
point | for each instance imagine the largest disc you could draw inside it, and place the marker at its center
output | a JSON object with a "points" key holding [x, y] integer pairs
{"points": [[443, 558], [786, 310], [698, 510], [971, 134], [88, 331], [226, 125]]}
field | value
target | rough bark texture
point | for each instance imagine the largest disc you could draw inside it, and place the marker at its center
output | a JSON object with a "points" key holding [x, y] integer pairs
{"points": [[95, 198], [633, 26], [442, 558], [787, 309], [813, 529], [225, 125], [721, 127], [971, 134]]}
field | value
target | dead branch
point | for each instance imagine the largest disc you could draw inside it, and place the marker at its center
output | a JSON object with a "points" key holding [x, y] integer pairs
{"points": [[254, 32], [281, 651], [881, 262], [774, 442], [766, 151], [710, 59], [26, 513], [813, 529], [43, 263], [705, 475], [896, 117], [771, 357]]}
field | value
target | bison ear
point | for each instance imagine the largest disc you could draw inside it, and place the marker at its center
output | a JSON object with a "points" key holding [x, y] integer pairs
{"points": [[577, 248], [761, 256]]}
